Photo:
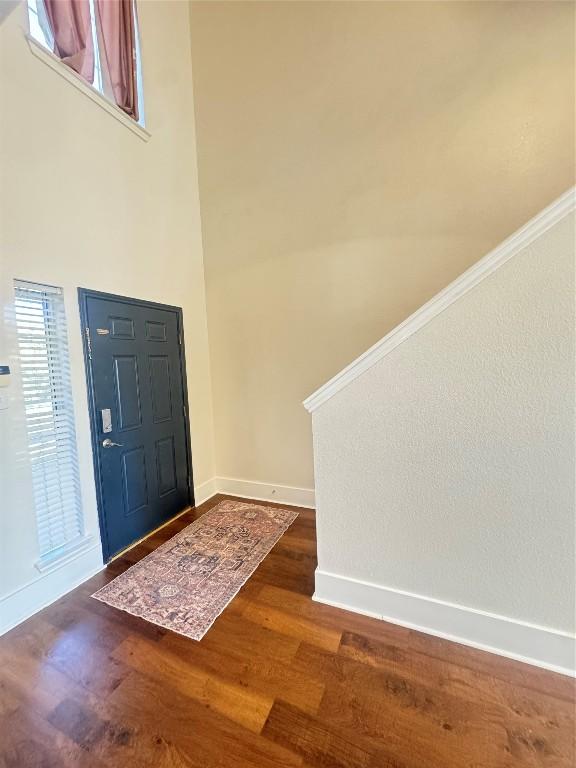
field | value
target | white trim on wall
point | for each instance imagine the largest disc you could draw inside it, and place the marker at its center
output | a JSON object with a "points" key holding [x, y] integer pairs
{"points": [[458, 288], [205, 491], [98, 98], [32, 597], [253, 489], [529, 643]]}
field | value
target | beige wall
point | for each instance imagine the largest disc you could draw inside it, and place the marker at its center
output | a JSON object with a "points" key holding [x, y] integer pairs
{"points": [[86, 203], [460, 487], [354, 158]]}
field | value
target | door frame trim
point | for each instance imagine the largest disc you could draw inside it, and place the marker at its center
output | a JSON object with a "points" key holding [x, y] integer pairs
{"points": [[83, 295]]}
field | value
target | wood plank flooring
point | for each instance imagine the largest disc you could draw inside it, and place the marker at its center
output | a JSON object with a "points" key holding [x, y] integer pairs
{"points": [[278, 681]]}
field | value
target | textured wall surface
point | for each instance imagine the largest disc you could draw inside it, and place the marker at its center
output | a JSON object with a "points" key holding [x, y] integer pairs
{"points": [[447, 469], [354, 158], [84, 202]]}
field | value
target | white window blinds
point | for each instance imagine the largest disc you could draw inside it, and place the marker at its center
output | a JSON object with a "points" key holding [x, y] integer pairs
{"points": [[45, 370]]}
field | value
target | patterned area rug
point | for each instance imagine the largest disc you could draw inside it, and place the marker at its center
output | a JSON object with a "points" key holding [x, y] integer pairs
{"points": [[187, 582]]}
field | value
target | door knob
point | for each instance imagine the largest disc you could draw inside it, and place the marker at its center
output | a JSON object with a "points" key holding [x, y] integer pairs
{"points": [[107, 443]]}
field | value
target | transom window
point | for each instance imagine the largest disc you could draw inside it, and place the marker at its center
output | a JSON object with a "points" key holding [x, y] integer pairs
{"points": [[99, 41]]}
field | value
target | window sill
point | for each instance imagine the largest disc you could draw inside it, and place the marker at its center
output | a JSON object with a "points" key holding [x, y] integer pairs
{"points": [[64, 555], [68, 74]]}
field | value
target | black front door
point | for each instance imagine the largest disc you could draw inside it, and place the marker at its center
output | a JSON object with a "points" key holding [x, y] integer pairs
{"points": [[136, 377]]}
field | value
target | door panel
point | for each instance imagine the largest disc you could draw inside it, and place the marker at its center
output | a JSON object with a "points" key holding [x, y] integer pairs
{"points": [[134, 480], [136, 371], [127, 392], [166, 463], [160, 387], [121, 328], [155, 331]]}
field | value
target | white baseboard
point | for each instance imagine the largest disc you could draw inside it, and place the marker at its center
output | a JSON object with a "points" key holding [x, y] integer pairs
{"points": [[27, 600], [252, 489], [540, 646], [205, 491]]}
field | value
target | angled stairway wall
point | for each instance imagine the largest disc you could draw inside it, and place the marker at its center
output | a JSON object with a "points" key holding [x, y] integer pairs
{"points": [[354, 158], [444, 458]]}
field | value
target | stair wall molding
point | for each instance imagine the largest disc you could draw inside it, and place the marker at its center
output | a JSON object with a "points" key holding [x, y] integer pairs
{"points": [[560, 208]]}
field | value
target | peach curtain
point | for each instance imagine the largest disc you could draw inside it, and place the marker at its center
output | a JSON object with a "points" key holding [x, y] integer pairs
{"points": [[116, 28], [69, 22]]}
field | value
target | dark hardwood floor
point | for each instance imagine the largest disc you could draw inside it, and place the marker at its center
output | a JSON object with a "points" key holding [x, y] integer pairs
{"points": [[278, 681]]}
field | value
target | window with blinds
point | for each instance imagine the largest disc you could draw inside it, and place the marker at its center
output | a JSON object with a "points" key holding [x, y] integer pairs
{"points": [[45, 371]]}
